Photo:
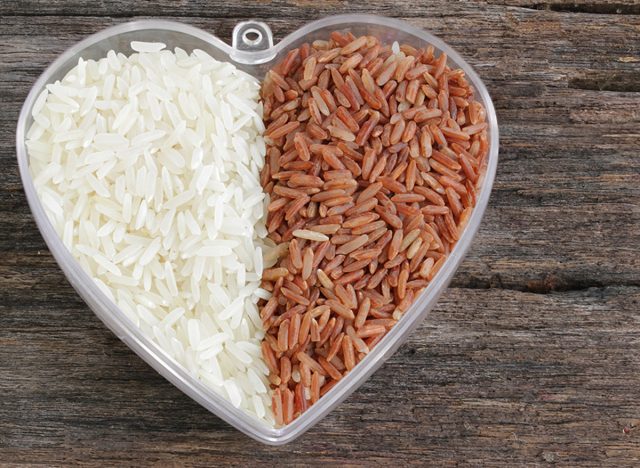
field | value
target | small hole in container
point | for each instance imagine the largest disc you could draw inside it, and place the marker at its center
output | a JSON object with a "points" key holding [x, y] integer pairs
{"points": [[251, 37]]}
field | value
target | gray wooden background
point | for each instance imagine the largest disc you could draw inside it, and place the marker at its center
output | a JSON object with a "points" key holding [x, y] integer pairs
{"points": [[532, 357]]}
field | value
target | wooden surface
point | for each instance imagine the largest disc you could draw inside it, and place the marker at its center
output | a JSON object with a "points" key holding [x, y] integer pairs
{"points": [[532, 357]]}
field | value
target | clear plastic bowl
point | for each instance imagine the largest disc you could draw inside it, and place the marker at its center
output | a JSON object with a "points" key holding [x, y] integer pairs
{"points": [[252, 51]]}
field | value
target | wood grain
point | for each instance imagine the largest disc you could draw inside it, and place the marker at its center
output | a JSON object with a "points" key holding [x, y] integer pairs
{"points": [[296, 9], [532, 357]]}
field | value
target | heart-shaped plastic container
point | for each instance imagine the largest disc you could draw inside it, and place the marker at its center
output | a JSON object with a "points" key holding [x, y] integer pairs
{"points": [[252, 51]]}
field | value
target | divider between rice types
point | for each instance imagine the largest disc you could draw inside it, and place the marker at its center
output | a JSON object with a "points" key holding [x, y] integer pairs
{"points": [[374, 155], [148, 168]]}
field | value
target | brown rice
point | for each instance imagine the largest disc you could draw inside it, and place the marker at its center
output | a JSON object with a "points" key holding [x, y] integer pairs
{"points": [[373, 160]]}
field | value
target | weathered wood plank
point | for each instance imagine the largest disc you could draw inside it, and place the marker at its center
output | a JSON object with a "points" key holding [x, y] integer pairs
{"points": [[503, 376], [479, 383], [297, 8], [608, 7]]}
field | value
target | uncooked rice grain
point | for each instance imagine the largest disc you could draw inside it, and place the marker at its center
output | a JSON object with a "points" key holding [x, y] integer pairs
{"points": [[148, 168]]}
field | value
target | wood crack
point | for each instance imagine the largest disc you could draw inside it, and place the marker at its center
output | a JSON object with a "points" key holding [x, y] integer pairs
{"points": [[626, 82], [550, 284], [597, 8]]}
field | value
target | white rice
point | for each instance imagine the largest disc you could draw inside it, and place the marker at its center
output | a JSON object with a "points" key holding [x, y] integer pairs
{"points": [[148, 168]]}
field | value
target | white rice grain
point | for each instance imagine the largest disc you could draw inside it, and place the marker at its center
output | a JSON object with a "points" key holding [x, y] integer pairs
{"points": [[148, 167], [147, 46]]}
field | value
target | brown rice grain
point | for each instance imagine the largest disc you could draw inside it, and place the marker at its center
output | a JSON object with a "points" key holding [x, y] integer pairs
{"points": [[315, 387], [282, 130], [352, 245], [348, 353], [340, 309], [329, 369], [357, 342], [307, 262], [371, 330], [363, 312], [310, 362], [336, 345]]}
